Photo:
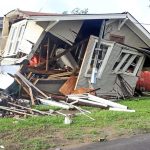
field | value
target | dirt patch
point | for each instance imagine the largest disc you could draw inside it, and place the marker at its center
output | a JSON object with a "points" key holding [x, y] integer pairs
{"points": [[47, 137]]}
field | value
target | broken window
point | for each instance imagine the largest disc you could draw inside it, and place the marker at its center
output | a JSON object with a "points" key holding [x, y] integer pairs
{"points": [[98, 59], [15, 36], [128, 62], [99, 55], [19, 37]]}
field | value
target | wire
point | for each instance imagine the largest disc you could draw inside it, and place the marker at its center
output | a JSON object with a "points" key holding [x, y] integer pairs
{"points": [[148, 24], [43, 6]]}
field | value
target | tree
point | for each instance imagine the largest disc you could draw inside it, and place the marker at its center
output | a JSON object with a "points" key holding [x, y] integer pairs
{"points": [[77, 11]]}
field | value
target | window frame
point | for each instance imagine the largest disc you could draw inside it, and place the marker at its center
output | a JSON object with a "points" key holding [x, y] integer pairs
{"points": [[14, 38], [104, 61], [124, 69]]}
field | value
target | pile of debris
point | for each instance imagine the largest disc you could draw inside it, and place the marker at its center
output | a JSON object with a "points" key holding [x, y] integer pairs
{"points": [[71, 60], [10, 107]]}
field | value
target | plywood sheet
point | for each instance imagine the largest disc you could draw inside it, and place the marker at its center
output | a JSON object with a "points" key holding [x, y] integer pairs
{"points": [[68, 86], [83, 90]]}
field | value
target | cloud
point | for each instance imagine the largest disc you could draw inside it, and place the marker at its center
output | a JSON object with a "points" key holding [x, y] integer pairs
{"points": [[138, 8]]}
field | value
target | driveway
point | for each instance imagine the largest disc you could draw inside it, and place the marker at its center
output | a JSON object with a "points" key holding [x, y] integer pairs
{"points": [[134, 143]]}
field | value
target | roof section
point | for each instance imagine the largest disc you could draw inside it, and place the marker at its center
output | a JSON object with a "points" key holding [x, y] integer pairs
{"points": [[26, 14], [78, 16], [31, 13], [131, 22]]}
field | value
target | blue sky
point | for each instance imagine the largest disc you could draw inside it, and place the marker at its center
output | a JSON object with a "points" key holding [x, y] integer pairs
{"points": [[138, 8]]}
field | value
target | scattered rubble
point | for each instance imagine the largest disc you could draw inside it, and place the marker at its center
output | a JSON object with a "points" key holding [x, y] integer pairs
{"points": [[69, 61]]}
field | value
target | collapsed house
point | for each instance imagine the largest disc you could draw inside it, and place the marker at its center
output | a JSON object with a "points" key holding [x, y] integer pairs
{"points": [[72, 54]]}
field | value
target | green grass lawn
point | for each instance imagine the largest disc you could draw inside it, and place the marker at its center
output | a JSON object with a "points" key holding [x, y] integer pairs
{"points": [[42, 133]]}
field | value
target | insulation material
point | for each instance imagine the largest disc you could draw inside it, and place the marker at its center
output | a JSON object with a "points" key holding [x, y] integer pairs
{"points": [[5, 80], [11, 69], [12, 61], [8, 61]]}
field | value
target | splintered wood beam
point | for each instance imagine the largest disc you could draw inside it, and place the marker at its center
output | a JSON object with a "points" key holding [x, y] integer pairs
{"points": [[121, 23], [28, 83], [52, 51], [30, 109], [119, 109], [121, 62], [15, 111], [31, 96], [54, 103], [35, 82], [50, 72], [47, 57], [29, 75], [24, 88], [29, 92], [63, 53], [68, 87], [59, 75]]}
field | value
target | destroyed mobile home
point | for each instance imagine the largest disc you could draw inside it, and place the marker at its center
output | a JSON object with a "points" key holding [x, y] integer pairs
{"points": [[64, 60]]}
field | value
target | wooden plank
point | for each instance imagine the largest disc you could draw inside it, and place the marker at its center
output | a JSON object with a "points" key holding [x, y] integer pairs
{"points": [[37, 44], [30, 84], [97, 100], [36, 81], [119, 109], [30, 109], [82, 91], [121, 62], [138, 65], [31, 96], [28, 92], [54, 103], [15, 111], [68, 86], [49, 72], [129, 63], [60, 75], [52, 52], [29, 75], [24, 88], [47, 56], [78, 99], [63, 53], [107, 102], [85, 64]]}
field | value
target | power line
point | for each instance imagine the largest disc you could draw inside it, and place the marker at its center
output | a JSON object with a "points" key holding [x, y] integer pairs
{"points": [[142, 23], [43, 6]]}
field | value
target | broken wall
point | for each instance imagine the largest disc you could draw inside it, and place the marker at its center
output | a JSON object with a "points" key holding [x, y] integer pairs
{"points": [[130, 38], [67, 30], [108, 80]]}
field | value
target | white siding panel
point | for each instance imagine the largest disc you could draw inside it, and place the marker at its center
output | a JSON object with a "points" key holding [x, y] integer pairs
{"points": [[30, 37], [67, 30], [131, 38]]}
